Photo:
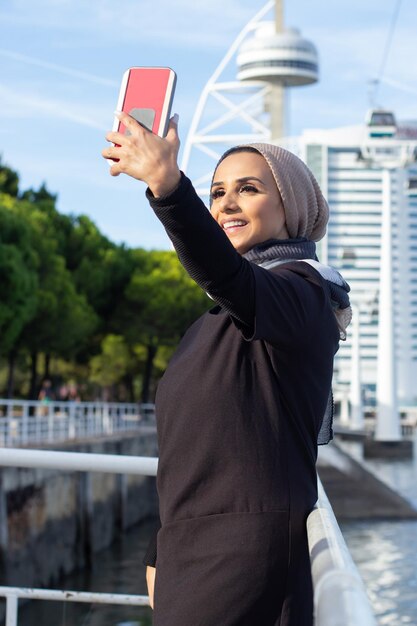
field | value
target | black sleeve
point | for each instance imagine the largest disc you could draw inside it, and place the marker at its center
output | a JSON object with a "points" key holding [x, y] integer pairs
{"points": [[292, 307], [151, 550], [283, 306], [205, 250]]}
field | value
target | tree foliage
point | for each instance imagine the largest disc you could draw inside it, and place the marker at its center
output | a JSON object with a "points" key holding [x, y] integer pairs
{"points": [[74, 296], [9, 180], [112, 364], [18, 275]]}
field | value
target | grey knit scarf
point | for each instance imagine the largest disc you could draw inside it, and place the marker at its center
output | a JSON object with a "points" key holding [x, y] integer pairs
{"points": [[273, 252]]}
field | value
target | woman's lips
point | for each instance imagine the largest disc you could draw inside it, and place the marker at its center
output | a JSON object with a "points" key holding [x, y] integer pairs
{"points": [[233, 226]]}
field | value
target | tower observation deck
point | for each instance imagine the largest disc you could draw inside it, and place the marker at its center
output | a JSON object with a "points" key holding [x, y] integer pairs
{"points": [[283, 58]]}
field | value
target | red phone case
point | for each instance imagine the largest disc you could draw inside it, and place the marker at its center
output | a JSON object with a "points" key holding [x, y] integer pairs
{"points": [[146, 93]]}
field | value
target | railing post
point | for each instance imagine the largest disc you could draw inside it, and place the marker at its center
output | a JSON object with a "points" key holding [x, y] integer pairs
{"points": [[11, 609], [71, 421], [106, 419], [25, 425], [50, 422], [37, 416]]}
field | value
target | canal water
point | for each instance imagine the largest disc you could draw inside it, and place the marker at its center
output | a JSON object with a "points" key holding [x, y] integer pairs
{"points": [[384, 551], [118, 569]]}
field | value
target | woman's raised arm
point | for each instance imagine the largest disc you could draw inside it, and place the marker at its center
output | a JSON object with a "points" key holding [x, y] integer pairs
{"points": [[143, 155]]}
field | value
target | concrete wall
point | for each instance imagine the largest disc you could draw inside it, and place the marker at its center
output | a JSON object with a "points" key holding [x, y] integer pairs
{"points": [[51, 522], [356, 493]]}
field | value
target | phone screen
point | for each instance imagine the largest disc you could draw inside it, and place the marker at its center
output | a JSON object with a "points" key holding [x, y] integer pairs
{"points": [[146, 94]]}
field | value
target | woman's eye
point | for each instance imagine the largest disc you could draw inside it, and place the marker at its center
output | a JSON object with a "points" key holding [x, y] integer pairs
{"points": [[249, 188], [218, 193]]}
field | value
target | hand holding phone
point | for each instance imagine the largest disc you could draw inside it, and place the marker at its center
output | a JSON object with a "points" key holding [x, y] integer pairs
{"points": [[146, 93]]}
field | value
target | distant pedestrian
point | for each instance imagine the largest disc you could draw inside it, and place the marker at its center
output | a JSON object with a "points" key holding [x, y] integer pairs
{"points": [[246, 397], [73, 393], [45, 396]]}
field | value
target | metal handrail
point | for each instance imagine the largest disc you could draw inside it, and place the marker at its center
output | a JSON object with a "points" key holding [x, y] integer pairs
{"points": [[79, 461], [340, 598], [12, 595], [28, 422]]}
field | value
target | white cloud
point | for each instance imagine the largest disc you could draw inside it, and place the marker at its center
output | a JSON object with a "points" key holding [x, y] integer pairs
{"points": [[349, 50], [61, 69], [17, 103], [185, 23]]}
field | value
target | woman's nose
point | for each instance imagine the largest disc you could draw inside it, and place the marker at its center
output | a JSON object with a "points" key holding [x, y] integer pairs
{"points": [[228, 202]]}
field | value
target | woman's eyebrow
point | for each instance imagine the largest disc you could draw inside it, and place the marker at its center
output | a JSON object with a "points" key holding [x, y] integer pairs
{"points": [[245, 179]]}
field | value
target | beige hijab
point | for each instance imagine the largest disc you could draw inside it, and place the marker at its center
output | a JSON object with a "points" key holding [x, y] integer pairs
{"points": [[306, 210]]}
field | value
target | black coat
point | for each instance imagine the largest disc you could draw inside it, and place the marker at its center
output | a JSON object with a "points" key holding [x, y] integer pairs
{"points": [[238, 413]]}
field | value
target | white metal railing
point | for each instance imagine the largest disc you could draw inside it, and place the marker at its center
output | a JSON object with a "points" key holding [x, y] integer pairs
{"points": [[340, 597], [82, 462], [24, 422], [79, 461], [12, 595]]}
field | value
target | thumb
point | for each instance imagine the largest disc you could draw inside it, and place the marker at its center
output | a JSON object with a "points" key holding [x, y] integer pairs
{"points": [[172, 134]]}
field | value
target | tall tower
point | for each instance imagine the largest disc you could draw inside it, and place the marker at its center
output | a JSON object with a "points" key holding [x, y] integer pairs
{"points": [[281, 58], [250, 106]]}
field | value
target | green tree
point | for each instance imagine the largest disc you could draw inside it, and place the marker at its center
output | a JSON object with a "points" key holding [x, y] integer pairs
{"points": [[18, 280], [94, 262], [113, 363], [62, 319], [160, 302], [9, 180]]}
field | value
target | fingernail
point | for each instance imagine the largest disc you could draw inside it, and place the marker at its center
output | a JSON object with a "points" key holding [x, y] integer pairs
{"points": [[117, 113], [175, 118]]}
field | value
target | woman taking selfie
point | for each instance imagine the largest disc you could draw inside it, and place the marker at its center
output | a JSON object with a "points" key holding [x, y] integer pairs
{"points": [[246, 397]]}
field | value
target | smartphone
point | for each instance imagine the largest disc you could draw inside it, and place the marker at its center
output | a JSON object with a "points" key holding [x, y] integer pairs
{"points": [[146, 93]]}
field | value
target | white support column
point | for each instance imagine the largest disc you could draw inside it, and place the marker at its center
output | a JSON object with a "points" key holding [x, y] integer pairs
{"points": [[356, 408], [403, 280], [344, 409], [388, 426], [276, 103]]}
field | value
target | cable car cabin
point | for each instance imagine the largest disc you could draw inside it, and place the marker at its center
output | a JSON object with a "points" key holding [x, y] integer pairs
{"points": [[411, 185], [381, 123]]}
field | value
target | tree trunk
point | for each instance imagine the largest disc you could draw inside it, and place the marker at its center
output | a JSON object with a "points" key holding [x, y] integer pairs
{"points": [[128, 380], [10, 376], [33, 391], [147, 377], [47, 363]]}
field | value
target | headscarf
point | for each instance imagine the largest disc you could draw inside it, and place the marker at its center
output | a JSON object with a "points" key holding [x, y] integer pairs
{"points": [[306, 215], [306, 210]]}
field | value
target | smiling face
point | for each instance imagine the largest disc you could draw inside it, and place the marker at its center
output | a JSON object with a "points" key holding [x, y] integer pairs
{"points": [[246, 201]]}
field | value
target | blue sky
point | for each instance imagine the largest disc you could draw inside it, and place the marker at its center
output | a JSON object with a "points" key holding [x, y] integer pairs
{"points": [[61, 63]]}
